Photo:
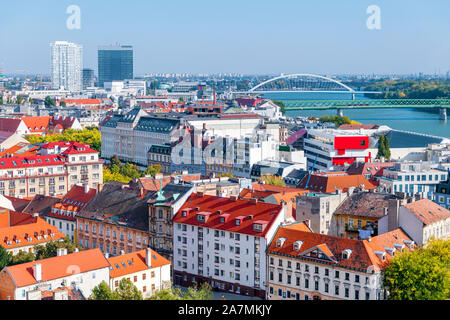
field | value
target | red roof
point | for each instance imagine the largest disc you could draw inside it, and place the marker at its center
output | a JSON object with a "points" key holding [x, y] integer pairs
{"points": [[254, 212], [33, 161], [58, 267], [37, 124], [75, 200], [328, 249]]}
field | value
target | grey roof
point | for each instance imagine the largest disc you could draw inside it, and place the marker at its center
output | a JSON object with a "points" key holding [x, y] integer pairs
{"points": [[156, 124], [119, 204], [172, 193]]}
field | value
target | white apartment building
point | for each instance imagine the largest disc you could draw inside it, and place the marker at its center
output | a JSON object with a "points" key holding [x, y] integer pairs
{"points": [[222, 241], [308, 266], [57, 170], [412, 178], [85, 270], [148, 271], [67, 66]]}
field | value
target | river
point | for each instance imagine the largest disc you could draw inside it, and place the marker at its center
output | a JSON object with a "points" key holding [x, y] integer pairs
{"points": [[402, 119]]}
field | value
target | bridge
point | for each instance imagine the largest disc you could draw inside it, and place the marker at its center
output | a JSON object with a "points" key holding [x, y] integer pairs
{"points": [[302, 82], [340, 105]]}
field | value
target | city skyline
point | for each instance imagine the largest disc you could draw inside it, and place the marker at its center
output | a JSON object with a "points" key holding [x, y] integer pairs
{"points": [[247, 38]]}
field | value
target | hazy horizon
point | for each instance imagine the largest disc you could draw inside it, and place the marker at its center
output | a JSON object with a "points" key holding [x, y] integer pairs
{"points": [[251, 38]]}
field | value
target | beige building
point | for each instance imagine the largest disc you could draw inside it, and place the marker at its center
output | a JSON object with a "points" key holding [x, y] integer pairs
{"points": [[54, 172]]}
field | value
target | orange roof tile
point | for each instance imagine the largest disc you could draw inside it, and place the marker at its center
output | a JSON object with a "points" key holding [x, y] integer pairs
{"points": [[427, 211], [58, 267], [328, 182], [134, 262], [37, 227]]}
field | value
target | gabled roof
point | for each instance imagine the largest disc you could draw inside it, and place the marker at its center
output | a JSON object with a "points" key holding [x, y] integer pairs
{"points": [[258, 212], [57, 267], [365, 204], [9, 124], [39, 124], [427, 211], [134, 262], [40, 204]]}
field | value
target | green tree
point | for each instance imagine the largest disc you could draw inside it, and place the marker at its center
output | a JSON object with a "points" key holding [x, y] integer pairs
{"points": [[127, 291], [1, 100], [203, 292], [152, 170], [49, 101], [383, 148], [273, 180], [22, 257], [102, 292], [5, 257], [63, 104], [281, 105], [423, 274], [19, 99], [49, 249]]}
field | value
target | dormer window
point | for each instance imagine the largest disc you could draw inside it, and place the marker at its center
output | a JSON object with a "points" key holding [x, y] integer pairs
{"points": [[297, 245], [346, 254], [222, 219], [381, 255], [400, 247], [389, 250], [280, 242], [200, 218], [257, 227], [238, 222]]}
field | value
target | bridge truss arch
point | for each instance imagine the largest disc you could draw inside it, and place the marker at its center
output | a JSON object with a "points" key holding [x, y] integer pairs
{"points": [[301, 82]]}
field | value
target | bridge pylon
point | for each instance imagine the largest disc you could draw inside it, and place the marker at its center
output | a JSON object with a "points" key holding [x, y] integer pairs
{"points": [[443, 114]]}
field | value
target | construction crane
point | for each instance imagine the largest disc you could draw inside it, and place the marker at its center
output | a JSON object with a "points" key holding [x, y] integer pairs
{"points": [[310, 173]]}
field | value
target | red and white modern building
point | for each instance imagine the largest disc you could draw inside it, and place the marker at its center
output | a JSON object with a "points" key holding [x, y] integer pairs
{"points": [[335, 148], [223, 241]]}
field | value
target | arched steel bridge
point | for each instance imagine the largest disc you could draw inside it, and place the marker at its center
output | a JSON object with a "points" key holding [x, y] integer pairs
{"points": [[302, 82]]}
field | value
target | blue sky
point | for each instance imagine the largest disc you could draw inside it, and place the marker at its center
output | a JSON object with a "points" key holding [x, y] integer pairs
{"points": [[246, 36]]}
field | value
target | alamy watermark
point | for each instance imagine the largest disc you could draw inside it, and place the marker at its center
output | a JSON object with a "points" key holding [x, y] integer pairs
{"points": [[373, 22], [73, 22]]}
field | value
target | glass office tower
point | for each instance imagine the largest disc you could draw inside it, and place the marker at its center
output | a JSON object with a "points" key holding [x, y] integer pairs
{"points": [[115, 63]]}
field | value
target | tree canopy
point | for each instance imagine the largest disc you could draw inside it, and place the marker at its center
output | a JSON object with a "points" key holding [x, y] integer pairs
{"points": [[423, 274], [125, 291], [273, 180], [90, 135], [337, 120], [119, 172], [410, 89], [281, 105], [5, 258], [203, 292], [383, 148]]}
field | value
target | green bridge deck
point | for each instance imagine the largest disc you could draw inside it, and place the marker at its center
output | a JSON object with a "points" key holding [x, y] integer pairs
{"points": [[366, 104]]}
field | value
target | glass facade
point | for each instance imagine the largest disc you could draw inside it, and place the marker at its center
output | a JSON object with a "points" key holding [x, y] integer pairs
{"points": [[115, 63]]}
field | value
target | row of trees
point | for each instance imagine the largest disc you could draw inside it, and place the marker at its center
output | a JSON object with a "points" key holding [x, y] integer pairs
{"points": [[90, 135], [273, 180], [128, 291], [337, 120], [410, 89], [40, 252], [119, 172]]}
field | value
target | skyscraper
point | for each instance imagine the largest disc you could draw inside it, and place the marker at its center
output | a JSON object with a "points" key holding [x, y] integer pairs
{"points": [[88, 78], [115, 63], [67, 62]]}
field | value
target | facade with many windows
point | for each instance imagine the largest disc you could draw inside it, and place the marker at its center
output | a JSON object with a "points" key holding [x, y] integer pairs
{"points": [[307, 266], [222, 241]]}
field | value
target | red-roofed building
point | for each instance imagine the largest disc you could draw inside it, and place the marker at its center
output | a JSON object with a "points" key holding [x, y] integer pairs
{"points": [[59, 166], [222, 241], [149, 271], [63, 214], [303, 265], [27, 281]]}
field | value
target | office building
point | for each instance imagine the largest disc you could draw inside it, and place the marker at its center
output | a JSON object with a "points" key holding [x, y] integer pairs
{"points": [[88, 78], [115, 63]]}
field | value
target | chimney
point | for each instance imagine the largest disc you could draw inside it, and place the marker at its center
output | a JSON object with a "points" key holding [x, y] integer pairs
{"points": [[254, 200], [122, 252], [86, 188], [107, 255], [159, 176], [148, 257], [393, 212], [76, 250], [37, 272], [61, 252], [369, 239], [233, 198], [35, 214]]}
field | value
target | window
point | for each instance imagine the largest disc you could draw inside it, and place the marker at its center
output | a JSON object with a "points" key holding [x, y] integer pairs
{"points": [[316, 269], [356, 294], [306, 283], [316, 285], [356, 278], [336, 290], [326, 287], [347, 276], [280, 277], [336, 274]]}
